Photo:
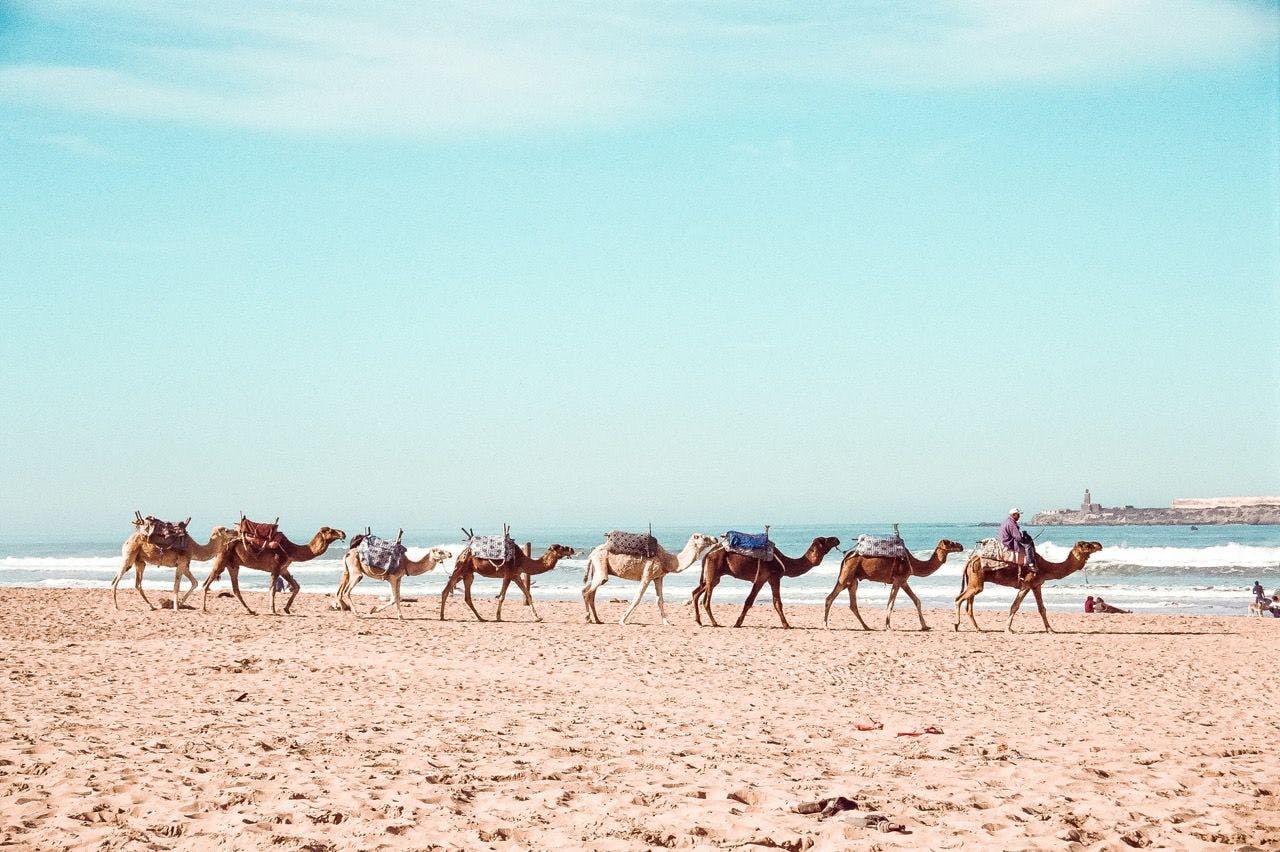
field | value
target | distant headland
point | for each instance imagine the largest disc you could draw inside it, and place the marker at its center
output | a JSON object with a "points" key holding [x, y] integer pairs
{"points": [[1183, 511]]}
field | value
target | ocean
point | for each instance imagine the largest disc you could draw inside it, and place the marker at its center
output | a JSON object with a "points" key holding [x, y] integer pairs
{"points": [[1175, 569]]}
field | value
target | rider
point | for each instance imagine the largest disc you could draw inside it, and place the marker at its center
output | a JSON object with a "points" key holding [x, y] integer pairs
{"points": [[1012, 537]]}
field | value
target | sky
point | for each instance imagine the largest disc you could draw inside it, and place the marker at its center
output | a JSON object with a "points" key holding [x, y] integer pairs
{"points": [[617, 263]]}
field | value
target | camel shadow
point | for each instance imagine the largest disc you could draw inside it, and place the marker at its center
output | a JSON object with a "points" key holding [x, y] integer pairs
{"points": [[1139, 633]]}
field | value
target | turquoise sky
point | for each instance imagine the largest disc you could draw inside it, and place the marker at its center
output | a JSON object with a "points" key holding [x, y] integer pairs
{"points": [[612, 263]]}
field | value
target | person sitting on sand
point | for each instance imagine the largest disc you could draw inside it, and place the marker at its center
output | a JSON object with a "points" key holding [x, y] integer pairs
{"points": [[1017, 541], [1273, 605], [1088, 604], [1099, 605]]}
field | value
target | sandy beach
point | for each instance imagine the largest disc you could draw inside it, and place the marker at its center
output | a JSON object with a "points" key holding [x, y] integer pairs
{"points": [[151, 730]]}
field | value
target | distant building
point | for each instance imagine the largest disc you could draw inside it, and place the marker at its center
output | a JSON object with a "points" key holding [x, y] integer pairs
{"points": [[1088, 506]]}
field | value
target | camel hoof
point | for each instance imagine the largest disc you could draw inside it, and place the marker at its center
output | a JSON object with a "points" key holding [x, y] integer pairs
{"points": [[538, 620], [924, 628]]}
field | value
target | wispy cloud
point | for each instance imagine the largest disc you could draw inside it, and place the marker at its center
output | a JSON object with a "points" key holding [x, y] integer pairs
{"points": [[333, 67]]}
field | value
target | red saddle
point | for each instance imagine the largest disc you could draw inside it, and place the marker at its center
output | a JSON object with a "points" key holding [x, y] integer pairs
{"points": [[260, 538], [166, 535]]}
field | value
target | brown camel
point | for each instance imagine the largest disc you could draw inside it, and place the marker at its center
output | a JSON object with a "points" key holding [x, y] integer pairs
{"points": [[719, 562], [138, 553], [518, 569], [978, 571], [885, 569], [276, 562], [354, 570]]}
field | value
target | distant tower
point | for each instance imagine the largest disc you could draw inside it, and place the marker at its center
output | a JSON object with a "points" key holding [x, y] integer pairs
{"points": [[1088, 506]]}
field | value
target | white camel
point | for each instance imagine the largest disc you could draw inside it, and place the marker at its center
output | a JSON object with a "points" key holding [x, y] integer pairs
{"points": [[602, 564], [354, 570]]}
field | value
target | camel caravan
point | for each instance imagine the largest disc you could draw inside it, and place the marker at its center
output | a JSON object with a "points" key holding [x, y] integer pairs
{"points": [[637, 557]]}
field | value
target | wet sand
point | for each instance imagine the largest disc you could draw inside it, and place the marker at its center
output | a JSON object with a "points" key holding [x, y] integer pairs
{"points": [[148, 730]]}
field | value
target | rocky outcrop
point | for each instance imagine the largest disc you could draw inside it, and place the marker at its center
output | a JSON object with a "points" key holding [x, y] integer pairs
{"points": [[1159, 517]]}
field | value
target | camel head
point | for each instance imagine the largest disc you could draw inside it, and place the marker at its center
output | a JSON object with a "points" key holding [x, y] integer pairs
{"points": [[328, 535], [949, 546], [701, 541], [223, 535], [439, 554], [1084, 549], [821, 547]]}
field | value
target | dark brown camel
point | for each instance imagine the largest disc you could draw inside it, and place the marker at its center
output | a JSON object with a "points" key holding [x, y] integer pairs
{"points": [[718, 562], [885, 569], [978, 571], [276, 562], [518, 569]]}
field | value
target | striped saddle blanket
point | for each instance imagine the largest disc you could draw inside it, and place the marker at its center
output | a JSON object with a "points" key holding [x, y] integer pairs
{"points": [[166, 535], [261, 537], [381, 554], [494, 548], [630, 544], [757, 546], [991, 549], [885, 548]]}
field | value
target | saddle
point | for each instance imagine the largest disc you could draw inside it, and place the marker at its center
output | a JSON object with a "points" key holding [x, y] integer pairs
{"points": [[261, 538], [631, 544], [885, 548], [381, 554], [748, 544], [492, 548], [992, 550], [166, 535]]}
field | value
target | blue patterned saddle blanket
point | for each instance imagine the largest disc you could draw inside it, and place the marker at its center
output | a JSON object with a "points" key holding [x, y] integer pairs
{"points": [[885, 548], [757, 546], [380, 554], [494, 548], [630, 544]]}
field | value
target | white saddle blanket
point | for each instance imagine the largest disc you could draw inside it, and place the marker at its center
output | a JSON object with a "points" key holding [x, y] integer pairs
{"points": [[888, 548], [989, 548]]}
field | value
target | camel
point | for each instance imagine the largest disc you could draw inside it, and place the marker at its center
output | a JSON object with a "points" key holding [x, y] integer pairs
{"points": [[138, 553], [884, 569], [239, 555], [719, 562], [354, 570], [978, 571], [517, 569], [602, 564]]}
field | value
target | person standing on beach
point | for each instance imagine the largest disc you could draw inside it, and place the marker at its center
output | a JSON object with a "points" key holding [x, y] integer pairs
{"points": [[1017, 541], [1259, 593]]}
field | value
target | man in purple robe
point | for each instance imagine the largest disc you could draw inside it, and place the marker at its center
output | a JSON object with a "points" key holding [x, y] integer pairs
{"points": [[1012, 537]]}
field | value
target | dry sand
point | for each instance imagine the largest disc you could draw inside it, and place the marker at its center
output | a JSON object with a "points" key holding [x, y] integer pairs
{"points": [[160, 729]]}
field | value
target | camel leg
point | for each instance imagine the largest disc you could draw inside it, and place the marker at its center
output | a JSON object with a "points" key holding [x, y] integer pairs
{"points": [[502, 596], [1018, 601], [756, 585], [191, 578], [214, 573], [522, 582], [662, 610], [294, 588], [137, 583], [888, 610], [177, 584], [394, 580], [826, 611], [915, 600], [853, 603], [338, 596], [128, 563], [644, 584], [696, 600], [1044, 616], [447, 590], [970, 590], [233, 571], [466, 595], [599, 576], [775, 588], [347, 601], [706, 600]]}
